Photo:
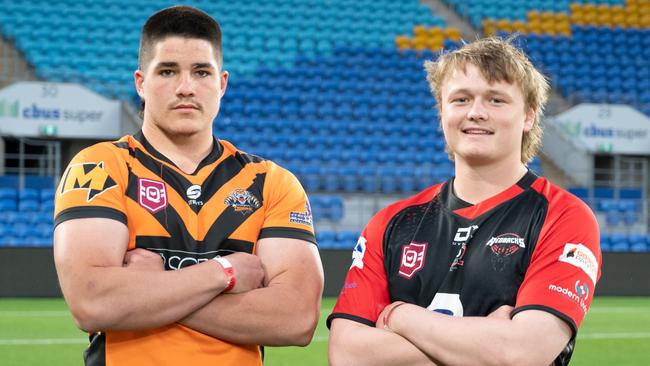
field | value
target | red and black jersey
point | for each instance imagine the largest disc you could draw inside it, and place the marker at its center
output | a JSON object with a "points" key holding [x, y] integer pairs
{"points": [[532, 246]]}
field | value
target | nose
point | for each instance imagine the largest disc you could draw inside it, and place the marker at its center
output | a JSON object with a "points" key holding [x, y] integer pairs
{"points": [[477, 112], [185, 85]]}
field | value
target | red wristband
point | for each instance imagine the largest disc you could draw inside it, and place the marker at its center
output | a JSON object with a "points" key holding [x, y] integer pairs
{"points": [[229, 271]]}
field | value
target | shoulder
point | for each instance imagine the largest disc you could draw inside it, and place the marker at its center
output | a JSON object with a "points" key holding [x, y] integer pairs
{"points": [[562, 202]]}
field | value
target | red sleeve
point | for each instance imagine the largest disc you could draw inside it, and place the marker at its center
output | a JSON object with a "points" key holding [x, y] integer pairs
{"points": [[565, 266], [365, 292]]}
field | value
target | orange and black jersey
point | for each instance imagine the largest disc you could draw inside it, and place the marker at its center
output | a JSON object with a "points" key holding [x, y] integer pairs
{"points": [[232, 200]]}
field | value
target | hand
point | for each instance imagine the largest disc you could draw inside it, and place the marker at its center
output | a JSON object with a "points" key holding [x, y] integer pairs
{"points": [[502, 312], [249, 272], [143, 259], [383, 320]]}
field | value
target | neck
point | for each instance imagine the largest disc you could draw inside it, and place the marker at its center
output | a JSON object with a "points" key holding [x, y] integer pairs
{"points": [[185, 151], [475, 183]]}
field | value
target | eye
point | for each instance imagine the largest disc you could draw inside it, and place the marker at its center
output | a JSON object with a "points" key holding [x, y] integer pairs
{"points": [[203, 73], [166, 72], [498, 100], [460, 100]]}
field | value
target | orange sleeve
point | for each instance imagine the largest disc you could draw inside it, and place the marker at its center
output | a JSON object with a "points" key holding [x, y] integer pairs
{"points": [[287, 210], [92, 186]]}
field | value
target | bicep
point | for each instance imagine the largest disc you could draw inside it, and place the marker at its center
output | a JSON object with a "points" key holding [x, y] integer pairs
{"points": [[89, 242], [546, 333], [292, 260]]}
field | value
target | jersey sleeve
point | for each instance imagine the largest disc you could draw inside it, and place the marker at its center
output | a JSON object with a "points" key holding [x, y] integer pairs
{"points": [[365, 291], [565, 265], [287, 210], [92, 186]]}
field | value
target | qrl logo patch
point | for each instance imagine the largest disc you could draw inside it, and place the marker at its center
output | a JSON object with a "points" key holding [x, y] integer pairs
{"points": [[152, 195], [87, 176], [412, 259]]}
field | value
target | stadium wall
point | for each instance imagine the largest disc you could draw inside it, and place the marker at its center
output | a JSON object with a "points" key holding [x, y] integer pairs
{"points": [[29, 272]]}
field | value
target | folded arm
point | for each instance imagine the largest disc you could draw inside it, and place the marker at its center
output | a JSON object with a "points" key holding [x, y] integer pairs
{"points": [[103, 294], [532, 337], [356, 344], [284, 312]]}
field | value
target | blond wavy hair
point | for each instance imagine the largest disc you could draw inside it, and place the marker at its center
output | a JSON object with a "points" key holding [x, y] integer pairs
{"points": [[498, 60]]}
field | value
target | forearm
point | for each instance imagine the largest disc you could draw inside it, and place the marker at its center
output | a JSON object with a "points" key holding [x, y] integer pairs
{"points": [[272, 316], [452, 340], [123, 298], [357, 344]]}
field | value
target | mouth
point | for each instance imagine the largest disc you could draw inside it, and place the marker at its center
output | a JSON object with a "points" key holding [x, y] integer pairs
{"points": [[185, 107], [476, 131]]}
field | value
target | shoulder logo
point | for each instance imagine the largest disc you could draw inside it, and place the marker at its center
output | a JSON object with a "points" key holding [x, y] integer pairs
{"points": [[242, 201], [87, 176], [413, 256], [580, 256], [304, 218], [358, 253], [152, 195]]}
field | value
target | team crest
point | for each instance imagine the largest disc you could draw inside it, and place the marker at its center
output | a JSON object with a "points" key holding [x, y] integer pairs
{"points": [[242, 201], [152, 195], [87, 176], [502, 247], [413, 256]]}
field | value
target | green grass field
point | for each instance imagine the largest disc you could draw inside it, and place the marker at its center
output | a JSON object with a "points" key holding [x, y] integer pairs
{"points": [[41, 332]]}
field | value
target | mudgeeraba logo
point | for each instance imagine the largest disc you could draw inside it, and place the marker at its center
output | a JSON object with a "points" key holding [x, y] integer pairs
{"points": [[358, 252], [87, 176], [242, 201], [582, 289]]}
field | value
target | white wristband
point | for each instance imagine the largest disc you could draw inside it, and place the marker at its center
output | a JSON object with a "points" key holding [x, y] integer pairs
{"points": [[229, 272]]}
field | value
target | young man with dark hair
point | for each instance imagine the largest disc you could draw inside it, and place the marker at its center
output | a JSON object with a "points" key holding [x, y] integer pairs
{"points": [[174, 247], [496, 266]]}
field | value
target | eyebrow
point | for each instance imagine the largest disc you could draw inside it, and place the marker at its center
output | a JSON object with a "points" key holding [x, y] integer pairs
{"points": [[198, 65], [489, 91]]}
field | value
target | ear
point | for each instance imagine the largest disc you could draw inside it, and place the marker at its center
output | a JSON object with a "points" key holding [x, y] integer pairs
{"points": [[138, 79], [224, 82], [529, 121]]}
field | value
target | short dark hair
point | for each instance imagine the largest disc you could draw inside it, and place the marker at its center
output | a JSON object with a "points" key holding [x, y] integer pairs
{"points": [[180, 21]]}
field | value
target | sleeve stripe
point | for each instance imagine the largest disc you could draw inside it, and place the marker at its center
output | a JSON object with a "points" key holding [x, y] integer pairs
{"points": [[287, 232], [354, 318], [84, 212], [547, 309]]}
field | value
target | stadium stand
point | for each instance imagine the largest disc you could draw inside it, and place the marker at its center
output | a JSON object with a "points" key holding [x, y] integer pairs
{"points": [[335, 91]]}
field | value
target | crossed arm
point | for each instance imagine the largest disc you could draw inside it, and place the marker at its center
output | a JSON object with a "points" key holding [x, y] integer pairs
{"points": [[104, 294], [417, 336]]}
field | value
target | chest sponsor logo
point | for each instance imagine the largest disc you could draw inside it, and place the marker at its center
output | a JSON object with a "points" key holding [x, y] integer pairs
{"points": [[358, 252], [580, 256], [462, 237], [577, 299], [448, 304], [464, 234], [413, 256], [304, 218], [242, 201], [193, 194], [87, 176], [152, 195]]}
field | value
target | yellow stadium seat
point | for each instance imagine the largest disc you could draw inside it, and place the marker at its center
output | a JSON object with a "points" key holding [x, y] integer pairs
{"points": [[453, 34], [520, 27], [535, 27], [436, 32], [534, 15], [504, 25], [420, 31]]}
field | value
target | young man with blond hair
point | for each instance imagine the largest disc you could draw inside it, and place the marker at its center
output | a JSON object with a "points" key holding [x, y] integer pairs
{"points": [[173, 247], [496, 266]]}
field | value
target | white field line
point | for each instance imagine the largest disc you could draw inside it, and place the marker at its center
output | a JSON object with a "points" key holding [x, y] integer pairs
{"points": [[619, 309]]}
